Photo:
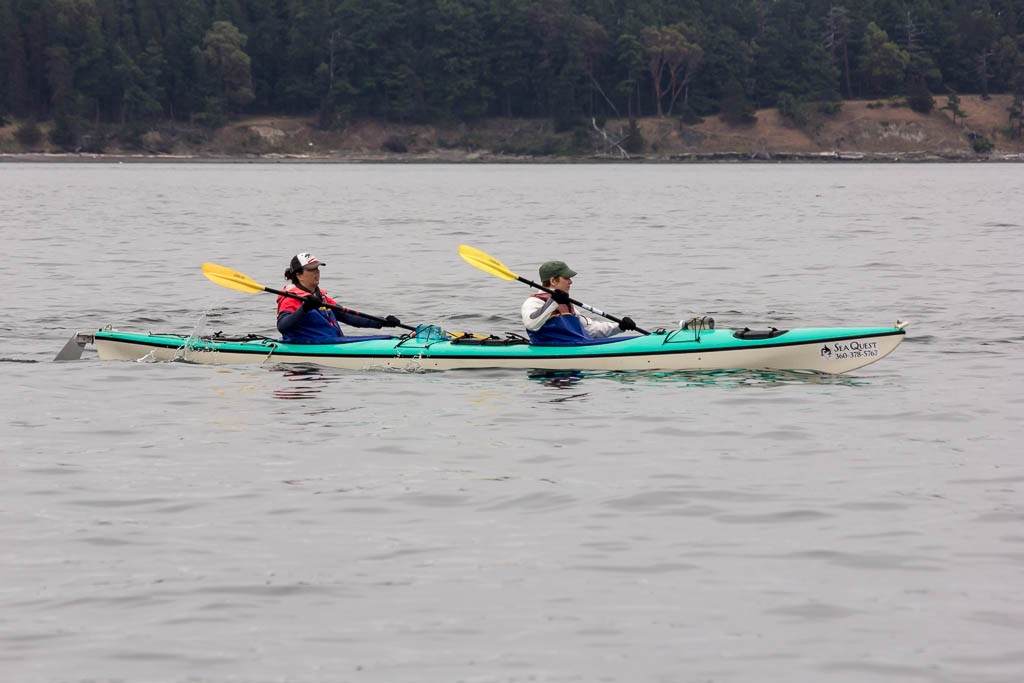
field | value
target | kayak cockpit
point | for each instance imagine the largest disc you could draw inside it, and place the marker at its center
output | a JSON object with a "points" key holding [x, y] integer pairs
{"points": [[770, 333]]}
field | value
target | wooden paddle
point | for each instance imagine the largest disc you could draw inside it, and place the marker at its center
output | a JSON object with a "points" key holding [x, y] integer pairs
{"points": [[489, 264], [232, 279]]}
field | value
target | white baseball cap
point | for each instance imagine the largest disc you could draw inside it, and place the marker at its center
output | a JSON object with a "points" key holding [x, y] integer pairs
{"points": [[305, 261]]}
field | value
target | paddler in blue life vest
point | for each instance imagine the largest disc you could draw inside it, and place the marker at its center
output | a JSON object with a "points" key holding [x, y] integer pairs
{"points": [[552, 319], [309, 321]]}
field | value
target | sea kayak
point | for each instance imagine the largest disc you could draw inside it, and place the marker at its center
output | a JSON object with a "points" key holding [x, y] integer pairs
{"points": [[827, 350]]}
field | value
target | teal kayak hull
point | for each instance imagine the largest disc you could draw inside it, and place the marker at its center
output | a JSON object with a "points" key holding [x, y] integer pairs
{"points": [[827, 350]]}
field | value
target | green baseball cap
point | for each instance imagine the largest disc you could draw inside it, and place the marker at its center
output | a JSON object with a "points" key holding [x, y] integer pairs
{"points": [[550, 269]]}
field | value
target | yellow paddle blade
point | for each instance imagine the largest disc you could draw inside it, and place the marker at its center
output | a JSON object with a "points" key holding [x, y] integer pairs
{"points": [[232, 279], [485, 262]]}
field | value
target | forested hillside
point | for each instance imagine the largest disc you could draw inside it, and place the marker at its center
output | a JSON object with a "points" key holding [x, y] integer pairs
{"points": [[85, 64]]}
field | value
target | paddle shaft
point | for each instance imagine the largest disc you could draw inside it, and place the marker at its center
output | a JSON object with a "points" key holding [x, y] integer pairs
{"points": [[339, 309], [579, 303]]}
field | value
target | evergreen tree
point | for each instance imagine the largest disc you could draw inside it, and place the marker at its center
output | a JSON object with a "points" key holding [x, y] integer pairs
{"points": [[953, 107], [977, 36], [883, 63], [224, 67], [14, 96]]}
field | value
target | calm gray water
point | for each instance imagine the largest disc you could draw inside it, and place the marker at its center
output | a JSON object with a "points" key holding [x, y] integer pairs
{"points": [[172, 522]]}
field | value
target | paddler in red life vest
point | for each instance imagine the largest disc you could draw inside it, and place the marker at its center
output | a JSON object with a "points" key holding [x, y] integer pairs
{"points": [[551, 319], [309, 321]]}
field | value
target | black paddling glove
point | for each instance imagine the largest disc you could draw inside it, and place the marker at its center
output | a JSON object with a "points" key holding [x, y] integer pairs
{"points": [[312, 302]]}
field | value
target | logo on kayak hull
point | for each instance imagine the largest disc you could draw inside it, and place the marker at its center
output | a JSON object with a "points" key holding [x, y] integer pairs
{"points": [[851, 349]]}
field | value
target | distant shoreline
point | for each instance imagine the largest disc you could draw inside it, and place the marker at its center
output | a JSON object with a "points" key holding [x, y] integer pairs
{"points": [[411, 159], [862, 131]]}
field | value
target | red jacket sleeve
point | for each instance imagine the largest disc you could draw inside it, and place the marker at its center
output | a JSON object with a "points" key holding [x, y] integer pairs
{"points": [[287, 304]]}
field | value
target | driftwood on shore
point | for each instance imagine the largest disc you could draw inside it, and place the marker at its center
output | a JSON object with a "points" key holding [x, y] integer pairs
{"points": [[609, 143]]}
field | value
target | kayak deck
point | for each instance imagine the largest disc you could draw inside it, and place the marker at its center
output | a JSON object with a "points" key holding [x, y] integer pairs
{"points": [[827, 350]]}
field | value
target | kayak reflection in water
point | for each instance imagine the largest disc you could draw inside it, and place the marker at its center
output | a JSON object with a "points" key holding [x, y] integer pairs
{"points": [[551, 318], [311, 320]]}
